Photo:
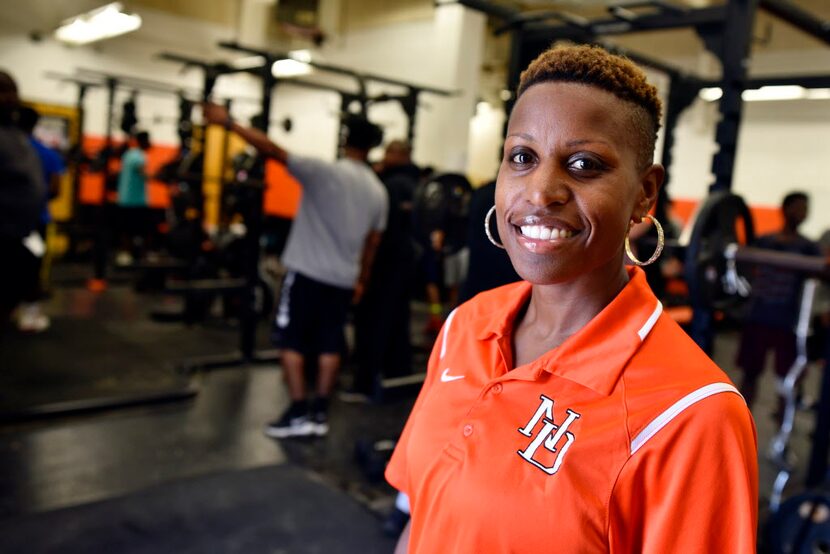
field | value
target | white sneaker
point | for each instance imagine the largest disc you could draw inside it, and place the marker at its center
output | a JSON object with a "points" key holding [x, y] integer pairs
{"points": [[287, 426]]}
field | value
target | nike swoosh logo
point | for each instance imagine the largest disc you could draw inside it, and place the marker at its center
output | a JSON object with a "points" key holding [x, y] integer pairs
{"points": [[446, 377]]}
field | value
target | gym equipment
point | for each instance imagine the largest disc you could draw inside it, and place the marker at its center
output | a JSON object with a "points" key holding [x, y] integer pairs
{"points": [[722, 219], [779, 446], [801, 524], [408, 101], [443, 203]]}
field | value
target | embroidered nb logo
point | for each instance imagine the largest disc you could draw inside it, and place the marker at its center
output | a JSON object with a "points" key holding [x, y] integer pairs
{"points": [[555, 438]]}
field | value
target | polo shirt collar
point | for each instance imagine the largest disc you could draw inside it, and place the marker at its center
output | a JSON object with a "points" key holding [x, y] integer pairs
{"points": [[596, 355]]}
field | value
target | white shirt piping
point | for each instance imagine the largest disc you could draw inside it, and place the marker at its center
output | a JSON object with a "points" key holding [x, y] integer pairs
{"points": [[447, 326], [649, 324], [676, 409]]}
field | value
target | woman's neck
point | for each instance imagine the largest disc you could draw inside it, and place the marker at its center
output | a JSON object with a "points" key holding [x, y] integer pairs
{"points": [[556, 312]]}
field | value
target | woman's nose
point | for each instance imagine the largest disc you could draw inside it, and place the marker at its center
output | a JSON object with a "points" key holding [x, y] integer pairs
{"points": [[548, 185]]}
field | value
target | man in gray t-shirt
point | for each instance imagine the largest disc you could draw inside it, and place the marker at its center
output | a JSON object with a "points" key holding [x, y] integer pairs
{"points": [[328, 256]]}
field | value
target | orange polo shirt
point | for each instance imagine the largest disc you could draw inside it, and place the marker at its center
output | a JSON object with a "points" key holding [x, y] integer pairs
{"points": [[626, 438]]}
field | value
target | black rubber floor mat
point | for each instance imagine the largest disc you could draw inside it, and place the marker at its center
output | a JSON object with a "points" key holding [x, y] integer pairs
{"points": [[275, 509]]}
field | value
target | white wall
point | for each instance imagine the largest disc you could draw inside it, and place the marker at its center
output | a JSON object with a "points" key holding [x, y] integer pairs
{"points": [[782, 146], [442, 52]]}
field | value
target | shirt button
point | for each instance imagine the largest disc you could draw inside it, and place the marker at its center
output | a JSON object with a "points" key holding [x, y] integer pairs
{"points": [[497, 388], [468, 430]]}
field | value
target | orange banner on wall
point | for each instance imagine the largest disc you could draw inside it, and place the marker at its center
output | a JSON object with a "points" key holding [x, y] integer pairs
{"points": [[766, 219]]}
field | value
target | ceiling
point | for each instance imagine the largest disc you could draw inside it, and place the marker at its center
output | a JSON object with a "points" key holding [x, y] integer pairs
{"points": [[771, 34]]}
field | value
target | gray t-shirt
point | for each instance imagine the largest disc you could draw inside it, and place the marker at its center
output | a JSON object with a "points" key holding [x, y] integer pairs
{"points": [[341, 202]]}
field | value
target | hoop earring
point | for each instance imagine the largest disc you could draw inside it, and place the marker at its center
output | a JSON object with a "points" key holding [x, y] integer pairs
{"points": [[487, 227], [660, 242]]}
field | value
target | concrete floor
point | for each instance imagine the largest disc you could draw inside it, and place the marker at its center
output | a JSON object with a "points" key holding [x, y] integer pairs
{"points": [[61, 462]]}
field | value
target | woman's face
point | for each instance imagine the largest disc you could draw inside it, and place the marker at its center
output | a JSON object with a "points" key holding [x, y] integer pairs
{"points": [[569, 184]]}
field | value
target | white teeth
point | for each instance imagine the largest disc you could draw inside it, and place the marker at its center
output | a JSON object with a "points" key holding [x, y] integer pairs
{"points": [[545, 233]]}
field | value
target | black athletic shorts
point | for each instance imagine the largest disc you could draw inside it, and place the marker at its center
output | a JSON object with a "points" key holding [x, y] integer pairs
{"points": [[311, 316]]}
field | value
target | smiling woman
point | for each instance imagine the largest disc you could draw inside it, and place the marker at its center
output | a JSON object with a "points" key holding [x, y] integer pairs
{"points": [[578, 417]]}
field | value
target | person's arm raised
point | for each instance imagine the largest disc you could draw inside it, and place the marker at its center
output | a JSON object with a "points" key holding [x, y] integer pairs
{"points": [[218, 115]]}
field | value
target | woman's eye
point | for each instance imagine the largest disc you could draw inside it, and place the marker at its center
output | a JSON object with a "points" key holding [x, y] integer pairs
{"points": [[521, 158], [585, 164]]}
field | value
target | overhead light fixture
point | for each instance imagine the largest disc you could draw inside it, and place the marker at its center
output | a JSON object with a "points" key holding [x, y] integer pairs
{"points": [[710, 94], [771, 93], [296, 65], [248, 62], [101, 23], [763, 94], [301, 55]]}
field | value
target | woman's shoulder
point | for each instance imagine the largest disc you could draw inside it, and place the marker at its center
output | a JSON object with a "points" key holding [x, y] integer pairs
{"points": [[671, 375]]}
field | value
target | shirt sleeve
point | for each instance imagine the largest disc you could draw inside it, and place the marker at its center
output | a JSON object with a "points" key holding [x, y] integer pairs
{"points": [[308, 171], [693, 487], [397, 471], [383, 213]]}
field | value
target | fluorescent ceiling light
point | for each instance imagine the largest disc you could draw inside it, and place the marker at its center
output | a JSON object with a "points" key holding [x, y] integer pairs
{"points": [[290, 68], [786, 92], [248, 62], [710, 94], [101, 23], [817, 94], [765, 94], [301, 55]]}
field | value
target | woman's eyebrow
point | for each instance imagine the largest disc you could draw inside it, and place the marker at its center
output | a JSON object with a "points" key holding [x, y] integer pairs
{"points": [[578, 142], [520, 135]]}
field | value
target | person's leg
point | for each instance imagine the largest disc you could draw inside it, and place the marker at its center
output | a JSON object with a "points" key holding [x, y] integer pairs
{"points": [[293, 366], [432, 273], [329, 367], [331, 344], [751, 356], [294, 421], [30, 317], [288, 335]]}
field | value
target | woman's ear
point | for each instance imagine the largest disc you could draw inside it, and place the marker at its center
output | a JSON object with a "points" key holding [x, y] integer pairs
{"points": [[650, 182]]}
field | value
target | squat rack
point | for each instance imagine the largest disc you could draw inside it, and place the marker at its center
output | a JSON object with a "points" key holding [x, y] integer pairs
{"points": [[211, 72]]}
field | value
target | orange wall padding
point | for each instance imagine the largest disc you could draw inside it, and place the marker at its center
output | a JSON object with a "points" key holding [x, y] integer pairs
{"points": [[91, 186], [765, 218], [282, 191]]}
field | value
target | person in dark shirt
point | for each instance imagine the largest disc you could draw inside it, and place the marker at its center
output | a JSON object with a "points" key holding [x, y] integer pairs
{"points": [[21, 200], [774, 303], [31, 318], [489, 266], [382, 319]]}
